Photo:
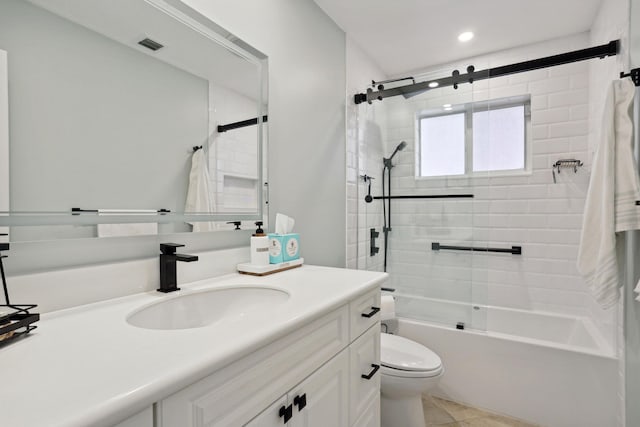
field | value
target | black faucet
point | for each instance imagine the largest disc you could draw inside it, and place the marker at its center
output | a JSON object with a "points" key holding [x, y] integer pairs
{"points": [[168, 259]]}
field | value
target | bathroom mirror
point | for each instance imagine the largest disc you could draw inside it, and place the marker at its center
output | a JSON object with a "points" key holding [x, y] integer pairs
{"points": [[106, 102]]}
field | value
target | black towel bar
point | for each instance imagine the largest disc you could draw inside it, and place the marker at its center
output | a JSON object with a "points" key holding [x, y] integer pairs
{"points": [[429, 196], [78, 211], [515, 250]]}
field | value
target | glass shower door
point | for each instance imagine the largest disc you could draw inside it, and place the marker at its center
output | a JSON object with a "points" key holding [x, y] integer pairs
{"points": [[432, 284]]}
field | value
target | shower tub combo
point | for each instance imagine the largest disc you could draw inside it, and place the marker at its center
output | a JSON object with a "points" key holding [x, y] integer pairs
{"points": [[552, 370]]}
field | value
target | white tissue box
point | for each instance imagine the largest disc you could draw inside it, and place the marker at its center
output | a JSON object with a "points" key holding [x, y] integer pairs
{"points": [[283, 247]]}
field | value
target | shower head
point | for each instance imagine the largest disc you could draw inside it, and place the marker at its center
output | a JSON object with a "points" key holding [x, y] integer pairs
{"points": [[399, 147]]}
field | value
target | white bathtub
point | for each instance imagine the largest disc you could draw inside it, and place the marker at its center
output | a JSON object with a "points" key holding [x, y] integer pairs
{"points": [[547, 369]]}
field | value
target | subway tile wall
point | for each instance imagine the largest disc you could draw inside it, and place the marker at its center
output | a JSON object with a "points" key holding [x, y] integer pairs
{"points": [[526, 209], [233, 155]]}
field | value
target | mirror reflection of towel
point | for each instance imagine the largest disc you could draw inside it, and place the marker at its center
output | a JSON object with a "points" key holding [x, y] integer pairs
{"points": [[199, 198]]}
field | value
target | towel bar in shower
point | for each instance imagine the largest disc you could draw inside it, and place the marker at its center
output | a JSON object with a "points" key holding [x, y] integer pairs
{"points": [[241, 124], [426, 196], [515, 250]]}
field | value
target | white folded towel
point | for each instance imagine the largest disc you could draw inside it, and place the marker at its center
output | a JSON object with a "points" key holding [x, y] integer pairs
{"points": [[199, 197], [127, 229], [613, 189]]}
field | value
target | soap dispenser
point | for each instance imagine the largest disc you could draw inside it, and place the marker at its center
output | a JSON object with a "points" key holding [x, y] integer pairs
{"points": [[259, 246]]}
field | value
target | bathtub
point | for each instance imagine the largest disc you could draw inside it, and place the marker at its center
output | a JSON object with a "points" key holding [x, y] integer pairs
{"points": [[547, 369]]}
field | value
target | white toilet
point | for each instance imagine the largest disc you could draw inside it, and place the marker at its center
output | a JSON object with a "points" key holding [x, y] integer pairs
{"points": [[408, 370]]}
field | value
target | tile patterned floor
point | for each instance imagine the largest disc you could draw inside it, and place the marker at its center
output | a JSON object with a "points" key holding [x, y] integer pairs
{"points": [[445, 413]]}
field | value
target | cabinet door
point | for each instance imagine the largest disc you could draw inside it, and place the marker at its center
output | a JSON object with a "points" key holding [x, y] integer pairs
{"points": [[235, 394], [364, 372], [364, 312], [271, 417], [370, 417], [141, 419], [322, 400]]}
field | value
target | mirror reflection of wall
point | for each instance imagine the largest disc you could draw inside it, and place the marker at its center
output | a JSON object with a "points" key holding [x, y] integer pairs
{"points": [[90, 118], [233, 155], [100, 122]]}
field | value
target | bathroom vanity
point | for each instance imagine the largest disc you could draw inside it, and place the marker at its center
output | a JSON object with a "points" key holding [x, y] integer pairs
{"points": [[299, 348]]}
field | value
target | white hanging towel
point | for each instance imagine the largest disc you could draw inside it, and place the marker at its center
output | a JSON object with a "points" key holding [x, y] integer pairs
{"points": [[613, 189], [199, 197]]}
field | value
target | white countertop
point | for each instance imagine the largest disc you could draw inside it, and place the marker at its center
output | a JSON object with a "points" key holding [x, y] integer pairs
{"points": [[87, 366]]}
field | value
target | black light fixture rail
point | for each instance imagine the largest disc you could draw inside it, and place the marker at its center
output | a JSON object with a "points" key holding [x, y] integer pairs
{"points": [[602, 51], [515, 250], [242, 124]]}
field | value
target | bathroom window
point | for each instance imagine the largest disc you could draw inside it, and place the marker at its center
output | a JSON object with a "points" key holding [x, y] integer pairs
{"points": [[474, 138]]}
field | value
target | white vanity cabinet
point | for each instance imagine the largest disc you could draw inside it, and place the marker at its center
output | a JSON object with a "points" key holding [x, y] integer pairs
{"points": [[143, 418], [310, 377], [320, 400]]}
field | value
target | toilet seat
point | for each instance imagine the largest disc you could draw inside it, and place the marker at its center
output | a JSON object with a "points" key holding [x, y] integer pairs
{"points": [[401, 357], [391, 372]]}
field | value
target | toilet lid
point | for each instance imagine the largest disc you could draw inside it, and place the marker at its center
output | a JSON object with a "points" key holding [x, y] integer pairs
{"points": [[403, 354]]}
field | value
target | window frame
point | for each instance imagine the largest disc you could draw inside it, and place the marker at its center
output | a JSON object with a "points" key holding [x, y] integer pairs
{"points": [[468, 109]]}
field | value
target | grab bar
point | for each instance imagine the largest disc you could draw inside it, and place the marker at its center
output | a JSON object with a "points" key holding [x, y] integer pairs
{"points": [[515, 250], [423, 196]]}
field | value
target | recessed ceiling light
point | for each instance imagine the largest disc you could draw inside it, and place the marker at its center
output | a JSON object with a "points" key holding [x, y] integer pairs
{"points": [[434, 84], [466, 36], [446, 106]]}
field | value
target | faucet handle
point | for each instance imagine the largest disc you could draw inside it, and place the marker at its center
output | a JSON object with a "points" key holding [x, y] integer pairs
{"points": [[169, 248]]}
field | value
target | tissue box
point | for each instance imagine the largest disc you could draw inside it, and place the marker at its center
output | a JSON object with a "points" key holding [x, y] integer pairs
{"points": [[283, 247]]}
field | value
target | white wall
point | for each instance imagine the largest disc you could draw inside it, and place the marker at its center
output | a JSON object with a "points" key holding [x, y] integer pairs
{"points": [[529, 210], [4, 139], [632, 307], [306, 53]]}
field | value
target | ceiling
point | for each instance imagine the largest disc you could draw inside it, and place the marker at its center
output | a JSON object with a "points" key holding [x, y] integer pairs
{"points": [[410, 35]]}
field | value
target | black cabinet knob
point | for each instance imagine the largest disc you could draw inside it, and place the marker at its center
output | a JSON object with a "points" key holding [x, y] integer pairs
{"points": [[286, 412]]}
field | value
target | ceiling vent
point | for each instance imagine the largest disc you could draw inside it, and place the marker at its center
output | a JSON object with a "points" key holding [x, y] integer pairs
{"points": [[150, 44]]}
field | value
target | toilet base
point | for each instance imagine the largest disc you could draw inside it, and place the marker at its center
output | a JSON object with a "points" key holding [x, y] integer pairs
{"points": [[407, 409]]}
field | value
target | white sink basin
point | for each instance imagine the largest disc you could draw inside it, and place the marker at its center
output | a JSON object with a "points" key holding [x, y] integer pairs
{"points": [[202, 308]]}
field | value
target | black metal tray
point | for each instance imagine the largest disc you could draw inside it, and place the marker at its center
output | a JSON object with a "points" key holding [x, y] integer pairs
{"points": [[18, 322]]}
